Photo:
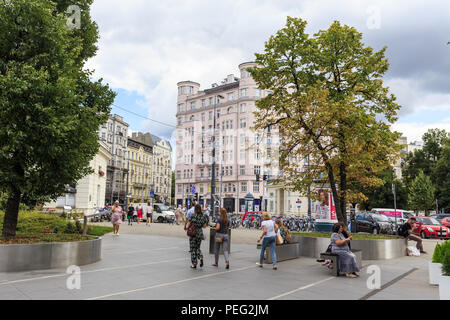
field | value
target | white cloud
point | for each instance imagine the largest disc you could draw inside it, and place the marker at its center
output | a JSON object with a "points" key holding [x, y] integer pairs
{"points": [[148, 46], [415, 130]]}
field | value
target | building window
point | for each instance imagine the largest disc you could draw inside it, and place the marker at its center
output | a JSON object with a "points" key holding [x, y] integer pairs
{"points": [[230, 96], [243, 107], [203, 117], [257, 93], [257, 169], [242, 136], [230, 110], [243, 123], [243, 186], [192, 105], [243, 92], [243, 73], [242, 154], [218, 113], [242, 170], [255, 186], [203, 103], [210, 115], [211, 101]]}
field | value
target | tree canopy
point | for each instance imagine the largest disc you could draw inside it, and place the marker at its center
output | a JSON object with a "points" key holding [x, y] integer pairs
{"points": [[50, 109], [330, 105]]}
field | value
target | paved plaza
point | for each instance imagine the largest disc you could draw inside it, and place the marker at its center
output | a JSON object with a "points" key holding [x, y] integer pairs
{"points": [[152, 262]]}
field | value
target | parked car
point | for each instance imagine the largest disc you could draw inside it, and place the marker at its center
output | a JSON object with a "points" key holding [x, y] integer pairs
{"points": [[445, 222], [440, 216], [402, 215], [162, 213], [428, 227], [373, 223]]}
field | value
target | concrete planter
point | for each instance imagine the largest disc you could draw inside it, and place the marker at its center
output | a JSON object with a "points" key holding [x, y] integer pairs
{"points": [[444, 288], [434, 272], [371, 249], [24, 257]]}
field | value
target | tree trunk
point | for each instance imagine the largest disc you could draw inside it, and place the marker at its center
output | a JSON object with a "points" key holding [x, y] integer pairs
{"points": [[11, 214], [336, 198]]}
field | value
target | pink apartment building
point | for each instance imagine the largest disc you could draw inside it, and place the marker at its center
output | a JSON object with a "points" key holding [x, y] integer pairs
{"points": [[240, 152]]}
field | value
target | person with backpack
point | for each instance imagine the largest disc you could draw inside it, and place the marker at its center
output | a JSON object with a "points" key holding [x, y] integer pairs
{"points": [[196, 223], [222, 238], [407, 231]]}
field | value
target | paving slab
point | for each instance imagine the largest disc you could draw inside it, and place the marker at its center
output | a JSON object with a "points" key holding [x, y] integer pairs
{"points": [[153, 263]]}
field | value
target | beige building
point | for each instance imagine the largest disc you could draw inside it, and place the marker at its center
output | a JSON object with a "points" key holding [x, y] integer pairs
{"points": [[162, 170], [90, 190], [140, 163], [241, 155]]}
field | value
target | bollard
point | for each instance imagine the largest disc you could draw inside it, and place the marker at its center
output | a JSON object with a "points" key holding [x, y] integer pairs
{"points": [[84, 225]]}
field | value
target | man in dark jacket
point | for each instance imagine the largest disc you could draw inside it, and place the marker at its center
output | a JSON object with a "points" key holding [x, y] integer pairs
{"points": [[408, 229]]}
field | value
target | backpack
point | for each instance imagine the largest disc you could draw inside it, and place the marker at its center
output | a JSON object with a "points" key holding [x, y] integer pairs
{"points": [[402, 231], [191, 230]]}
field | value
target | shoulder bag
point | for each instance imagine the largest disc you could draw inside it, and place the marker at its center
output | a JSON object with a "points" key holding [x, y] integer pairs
{"points": [[191, 230]]}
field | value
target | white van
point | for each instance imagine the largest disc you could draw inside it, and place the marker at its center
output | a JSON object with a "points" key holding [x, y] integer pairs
{"points": [[402, 215]]}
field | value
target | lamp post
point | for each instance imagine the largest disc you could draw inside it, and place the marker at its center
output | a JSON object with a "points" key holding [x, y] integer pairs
{"points": [[213, 173]]}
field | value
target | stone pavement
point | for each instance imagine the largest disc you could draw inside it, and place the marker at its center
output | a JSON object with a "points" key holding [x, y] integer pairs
{"points": [[143, 264]]}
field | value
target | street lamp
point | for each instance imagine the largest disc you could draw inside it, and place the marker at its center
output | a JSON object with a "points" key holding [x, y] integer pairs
{"points": [[213, 173], [128, 174]]}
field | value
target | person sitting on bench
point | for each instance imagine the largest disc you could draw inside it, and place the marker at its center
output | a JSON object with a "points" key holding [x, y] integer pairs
{"points": [[340, 246]]}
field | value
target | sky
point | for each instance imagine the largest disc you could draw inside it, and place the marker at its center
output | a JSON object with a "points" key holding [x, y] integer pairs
{"points": [[147, 46]]}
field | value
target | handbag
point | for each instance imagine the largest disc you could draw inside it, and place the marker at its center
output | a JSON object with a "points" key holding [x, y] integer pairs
{"points": [[219, 239], [279, 239], [191, 230]]}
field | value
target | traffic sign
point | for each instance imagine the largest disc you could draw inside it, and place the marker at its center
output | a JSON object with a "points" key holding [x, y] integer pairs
{"points": [[193, 189]]}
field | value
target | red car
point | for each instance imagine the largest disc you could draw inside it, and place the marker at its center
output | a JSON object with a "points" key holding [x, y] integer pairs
{"points": [[446, 222], [428, 227]]}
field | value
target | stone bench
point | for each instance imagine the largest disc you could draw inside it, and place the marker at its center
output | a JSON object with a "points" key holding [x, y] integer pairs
{"points": [[335, 259], [284, 252]]}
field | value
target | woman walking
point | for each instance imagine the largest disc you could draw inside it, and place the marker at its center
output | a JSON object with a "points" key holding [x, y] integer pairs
{"points": [[340, 242], [222, 226], [130, 214], [116, 217], [269, 234], [139, 213], [199, 221]]}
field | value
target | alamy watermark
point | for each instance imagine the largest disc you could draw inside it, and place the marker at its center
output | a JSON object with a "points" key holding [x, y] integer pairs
{"points": [[374, 281], [374, 19], [74, 19], [74, 280]]}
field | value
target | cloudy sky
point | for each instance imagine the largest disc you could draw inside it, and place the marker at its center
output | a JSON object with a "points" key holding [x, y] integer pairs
{"points": [[147, 46]]}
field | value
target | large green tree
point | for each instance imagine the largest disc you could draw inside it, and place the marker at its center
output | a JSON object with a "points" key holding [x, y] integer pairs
{"points": [[441, 177], [328, 100], [382, 196], [50, 109], [421, 193], [433, 160]]}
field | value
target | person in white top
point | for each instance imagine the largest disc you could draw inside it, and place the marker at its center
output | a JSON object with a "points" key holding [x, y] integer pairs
{"points": [[269, 234]]}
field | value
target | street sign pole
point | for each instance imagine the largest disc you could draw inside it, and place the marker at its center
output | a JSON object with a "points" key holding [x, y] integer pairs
{"points": [[395, 206]]}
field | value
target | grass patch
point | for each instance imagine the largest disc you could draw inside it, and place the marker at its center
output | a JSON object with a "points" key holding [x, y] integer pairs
{"points": [[356, 236], [34, 227]]}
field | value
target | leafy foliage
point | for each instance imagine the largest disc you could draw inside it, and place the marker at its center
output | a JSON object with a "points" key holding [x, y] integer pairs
{"points": [[327, 98], [446, 259], [437, 254], [50, 109], [421, 193]]}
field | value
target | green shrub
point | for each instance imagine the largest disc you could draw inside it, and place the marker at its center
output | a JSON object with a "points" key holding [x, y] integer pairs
{"points": [[446, 261], [78, 227], [70, 229], [437, 254]]}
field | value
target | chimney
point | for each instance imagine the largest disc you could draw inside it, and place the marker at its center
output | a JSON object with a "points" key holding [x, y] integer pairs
{"points": [[230, 78]]}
